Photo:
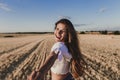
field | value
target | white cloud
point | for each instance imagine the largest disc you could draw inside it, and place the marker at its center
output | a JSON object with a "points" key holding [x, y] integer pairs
{"points": [[102, 10], [4, 7], [83, 25], [67, 17]]}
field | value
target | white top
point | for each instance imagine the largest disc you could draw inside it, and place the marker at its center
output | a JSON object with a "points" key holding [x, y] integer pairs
{"points": [[62, 63]]}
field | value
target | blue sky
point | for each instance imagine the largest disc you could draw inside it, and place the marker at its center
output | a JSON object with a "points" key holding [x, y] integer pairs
{"points": [[40, 15]]}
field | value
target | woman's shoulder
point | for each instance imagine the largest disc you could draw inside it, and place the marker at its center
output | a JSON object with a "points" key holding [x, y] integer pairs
{"points": [[58, 44]]}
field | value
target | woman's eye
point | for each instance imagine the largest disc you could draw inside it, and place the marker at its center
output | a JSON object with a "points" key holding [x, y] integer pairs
{"points": [[57, 29], [63, 31]]}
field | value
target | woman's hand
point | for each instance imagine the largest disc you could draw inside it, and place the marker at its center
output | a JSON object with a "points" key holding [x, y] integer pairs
{"points": [[31, 76], [35, 75]]}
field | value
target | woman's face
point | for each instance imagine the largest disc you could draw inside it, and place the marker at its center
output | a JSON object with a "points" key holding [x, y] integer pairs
{"points": [[60, 32]]}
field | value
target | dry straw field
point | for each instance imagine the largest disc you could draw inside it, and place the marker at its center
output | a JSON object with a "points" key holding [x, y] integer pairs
{"points": [[20, 55]]}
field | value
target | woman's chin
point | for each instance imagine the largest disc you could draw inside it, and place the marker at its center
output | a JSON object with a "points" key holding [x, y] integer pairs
{"points": [[57, 40]]}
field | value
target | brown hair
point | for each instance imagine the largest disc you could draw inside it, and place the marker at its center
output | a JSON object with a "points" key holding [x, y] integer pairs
{"points": [[72, 42]]}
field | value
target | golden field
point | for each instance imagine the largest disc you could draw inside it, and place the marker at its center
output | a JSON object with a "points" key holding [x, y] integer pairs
{"points": [[21, 55]]}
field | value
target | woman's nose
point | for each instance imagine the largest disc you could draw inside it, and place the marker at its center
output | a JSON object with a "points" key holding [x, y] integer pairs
{"points": [[58, 32]]}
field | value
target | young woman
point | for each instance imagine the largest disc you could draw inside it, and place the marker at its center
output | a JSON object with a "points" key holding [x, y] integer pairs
{"points": [[65, 59]]}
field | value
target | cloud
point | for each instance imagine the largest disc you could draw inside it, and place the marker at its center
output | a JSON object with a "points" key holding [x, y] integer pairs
{"points": [[80, 25], [67, 17], [4, 7], [102, 10]]}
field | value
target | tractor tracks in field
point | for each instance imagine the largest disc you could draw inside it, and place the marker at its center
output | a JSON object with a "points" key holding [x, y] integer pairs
{"points": [[13, 61], [10, 50], [28, 58], [27, 66], [97, 71], [20, 62]]}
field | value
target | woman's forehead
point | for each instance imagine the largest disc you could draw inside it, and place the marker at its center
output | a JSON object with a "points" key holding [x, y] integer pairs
{"points": [[61, 26]]}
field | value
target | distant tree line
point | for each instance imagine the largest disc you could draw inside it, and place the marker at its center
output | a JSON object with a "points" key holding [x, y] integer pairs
{"points": [[16, 34], [33, 32], [105, 32], [29, 33], [116, 32]]}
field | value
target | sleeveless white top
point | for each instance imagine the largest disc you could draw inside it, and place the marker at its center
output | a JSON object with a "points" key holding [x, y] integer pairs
{"points": [[62, 63]]}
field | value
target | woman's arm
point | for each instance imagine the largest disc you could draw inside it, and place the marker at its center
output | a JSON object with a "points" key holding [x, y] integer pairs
{"points": [[45, 67], [48, 62]]}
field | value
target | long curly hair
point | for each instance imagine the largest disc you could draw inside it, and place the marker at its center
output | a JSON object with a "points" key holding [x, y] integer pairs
{"points": [[72, 43]]}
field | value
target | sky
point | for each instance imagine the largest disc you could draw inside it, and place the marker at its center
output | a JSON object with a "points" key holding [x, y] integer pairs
{"points": [[41, 15]]}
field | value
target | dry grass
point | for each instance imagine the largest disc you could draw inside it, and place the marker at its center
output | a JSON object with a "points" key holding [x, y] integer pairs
{"points": [[20, 55]]}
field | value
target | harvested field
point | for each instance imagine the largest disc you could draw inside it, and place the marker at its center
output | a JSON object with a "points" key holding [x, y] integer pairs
{"points": [[20, 55]]}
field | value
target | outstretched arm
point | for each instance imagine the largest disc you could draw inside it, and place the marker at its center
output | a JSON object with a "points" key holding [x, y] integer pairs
{"points": [[48, 63], [45, 67]]}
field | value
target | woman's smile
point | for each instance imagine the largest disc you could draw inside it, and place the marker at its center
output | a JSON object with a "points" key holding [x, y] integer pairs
{"points": [[58, 37]]}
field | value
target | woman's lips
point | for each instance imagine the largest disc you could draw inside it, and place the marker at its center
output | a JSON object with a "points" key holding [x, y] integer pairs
{"points": [[57, 37]]}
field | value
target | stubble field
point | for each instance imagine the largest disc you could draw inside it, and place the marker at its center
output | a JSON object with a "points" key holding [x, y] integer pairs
{"points": [[19, 56]]}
